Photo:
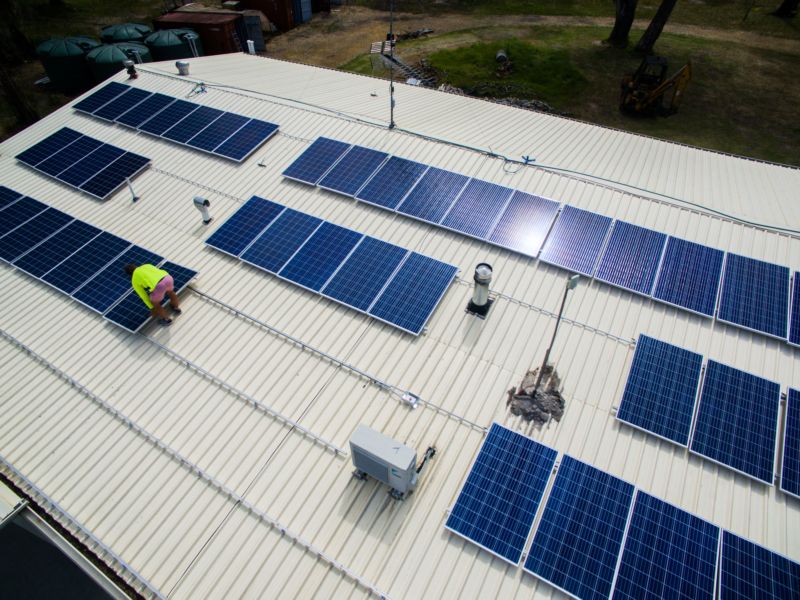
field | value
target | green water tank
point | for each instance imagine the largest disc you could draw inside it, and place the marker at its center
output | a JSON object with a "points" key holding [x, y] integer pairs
{"points": [[125, 32], [104, 61], [172, 44], [64, 61]]}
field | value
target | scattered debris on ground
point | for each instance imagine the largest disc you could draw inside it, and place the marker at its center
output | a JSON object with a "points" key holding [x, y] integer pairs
{"points": [[538, 407], [413, 35], [537, 105]]}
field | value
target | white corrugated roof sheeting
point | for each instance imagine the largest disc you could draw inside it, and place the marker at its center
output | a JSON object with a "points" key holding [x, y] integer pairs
{"points": [[177, 454]]}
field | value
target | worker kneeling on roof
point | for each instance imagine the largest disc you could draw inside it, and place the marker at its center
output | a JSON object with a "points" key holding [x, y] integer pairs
{"points": [[151, 283]]}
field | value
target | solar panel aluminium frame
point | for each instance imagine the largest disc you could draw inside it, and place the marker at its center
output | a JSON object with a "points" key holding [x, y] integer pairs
{"points": [[403, 199], [785, 438], [539, 509], [250, 243], [40, 242], [127, 179], [366, 181], [600, 252], [650, 292], [320, 178], [785, 337], [104, 267], [794, 280], [703, 376], [722, 532]]}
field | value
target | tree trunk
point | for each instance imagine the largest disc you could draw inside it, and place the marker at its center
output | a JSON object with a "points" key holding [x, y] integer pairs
{"points": [[625, 9], [649, 37], [787, 9]]}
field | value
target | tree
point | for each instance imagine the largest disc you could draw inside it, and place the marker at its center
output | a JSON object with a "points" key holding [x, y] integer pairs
{"points": [[625, 9], [649, 37], [787, 9]]}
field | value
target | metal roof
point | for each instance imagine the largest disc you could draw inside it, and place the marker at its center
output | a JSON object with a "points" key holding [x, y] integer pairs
{"points": [[176, 454]]}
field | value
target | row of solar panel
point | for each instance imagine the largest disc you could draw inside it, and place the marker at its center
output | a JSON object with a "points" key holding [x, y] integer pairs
{"points": [[214, 131], [83, 162], [385, 281], [76, 258], [599, 537], [755, 294], [735, 423]]}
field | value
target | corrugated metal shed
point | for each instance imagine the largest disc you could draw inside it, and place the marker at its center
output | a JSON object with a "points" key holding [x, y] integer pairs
{"points": [[174, 454]]}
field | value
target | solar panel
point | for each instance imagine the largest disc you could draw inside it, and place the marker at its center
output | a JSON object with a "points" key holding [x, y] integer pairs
{"points": [[790, 473], [143, 111], [87, 167], [278, 243], [478, 208], [391, 182], [413, 293], [320, 256], [794, 324], [8, 196], [689, 276], [668, 553], [524, 223], [193, 124], [245, 141], [502, 493], [353, 170], [243, 226], [69, 155], [755, 295], [364, 273], [631, 257], [114, 175], [131, 313], [749, 571], [576, 240], [85, 263], [105, 94], [661, 390], [737, 421], [433, 195], [108, 286], [168, 117], [312, 164], [122, 104], [219, 131], [16, 214], [580, 534], [57, 248], [48, 146], [32, 232]]}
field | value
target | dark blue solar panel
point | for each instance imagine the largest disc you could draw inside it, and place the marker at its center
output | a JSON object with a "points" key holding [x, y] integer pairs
{"points": [[790, 473], [219, 131], [105, 94], [241, 144], [109, 285], [737, 421], [525, 223], [244, 225], [364, 274], [501, 495], [50, 253], [115, 174], [68, 156], [413, 293], [312, 164], [576, 240], [631, 257], [689, 276], [273, 248], [32, 232], [8, 196], [85, 263], [144, 111], [48, 146], [122, 104], [661, 390], [392, 182], [432, 196], [478, 208], [189, 127], [131, 313], [668, 553], [168, 117], [19, 212], [320, 256], [794, 324], [353, 170], [580, 534], [755, 295], [91, 165], [749, 571]]}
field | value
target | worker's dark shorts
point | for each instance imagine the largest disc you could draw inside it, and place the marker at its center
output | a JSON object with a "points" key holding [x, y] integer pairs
{"points": [[162, 287]]}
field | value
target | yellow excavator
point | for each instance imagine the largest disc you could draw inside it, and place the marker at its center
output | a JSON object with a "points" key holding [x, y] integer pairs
{"points": [[647, 92]]}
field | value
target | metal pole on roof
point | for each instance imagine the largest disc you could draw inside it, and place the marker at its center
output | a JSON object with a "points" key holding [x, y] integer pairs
{"points": [[572, 283], [391, 64]]}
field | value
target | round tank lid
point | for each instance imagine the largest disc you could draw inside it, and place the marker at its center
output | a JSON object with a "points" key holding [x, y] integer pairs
{"points": [[125, 31], [59, 47]]}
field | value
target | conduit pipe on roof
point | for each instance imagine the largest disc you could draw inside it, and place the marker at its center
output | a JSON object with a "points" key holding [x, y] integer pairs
{"points": [[186, 463]]}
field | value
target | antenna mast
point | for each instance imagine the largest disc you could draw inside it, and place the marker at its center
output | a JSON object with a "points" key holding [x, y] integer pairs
{"points": [[391, 64]]}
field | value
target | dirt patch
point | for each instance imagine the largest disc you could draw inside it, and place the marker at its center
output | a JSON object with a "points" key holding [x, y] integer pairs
{"points": [[538, 406]]}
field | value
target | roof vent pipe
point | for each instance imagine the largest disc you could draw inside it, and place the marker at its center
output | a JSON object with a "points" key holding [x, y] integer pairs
{"points": [[183, 67], [202, 205], [480, 303]]}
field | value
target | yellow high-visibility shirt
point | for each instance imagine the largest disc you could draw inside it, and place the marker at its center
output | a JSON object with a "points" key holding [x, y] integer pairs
{"points": [[144, 280]]}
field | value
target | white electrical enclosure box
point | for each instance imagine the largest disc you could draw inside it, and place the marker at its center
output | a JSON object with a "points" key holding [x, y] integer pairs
{"points": [[384, 459]]}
